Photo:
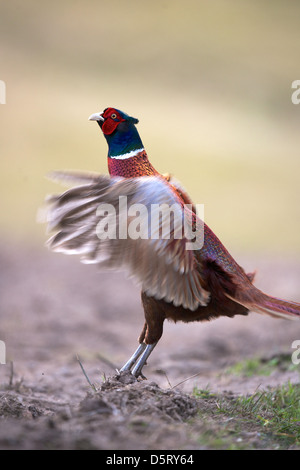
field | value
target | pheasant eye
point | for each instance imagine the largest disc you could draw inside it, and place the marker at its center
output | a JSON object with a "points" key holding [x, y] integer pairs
{"points": [[113, 116]]}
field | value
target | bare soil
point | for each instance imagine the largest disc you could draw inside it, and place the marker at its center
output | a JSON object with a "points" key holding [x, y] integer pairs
{"points": [[54, 309]]}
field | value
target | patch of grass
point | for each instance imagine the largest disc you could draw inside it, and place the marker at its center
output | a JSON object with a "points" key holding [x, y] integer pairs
{"points": [[221, 439], [203, 393], [261, 366], [265, 419], [277, 410], [248, 368]]}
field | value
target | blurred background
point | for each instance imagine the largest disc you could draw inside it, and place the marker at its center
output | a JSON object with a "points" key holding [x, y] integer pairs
{"points": [[210, 83]]}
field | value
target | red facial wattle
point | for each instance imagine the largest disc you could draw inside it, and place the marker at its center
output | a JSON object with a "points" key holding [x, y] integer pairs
{"points": [[111, 121]]}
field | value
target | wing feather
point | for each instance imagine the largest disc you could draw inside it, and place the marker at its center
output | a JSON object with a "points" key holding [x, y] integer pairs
{"points": [[163, 266]]}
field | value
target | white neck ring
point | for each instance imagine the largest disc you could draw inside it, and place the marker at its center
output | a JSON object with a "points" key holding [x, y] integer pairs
{"points": [[131, 154]]}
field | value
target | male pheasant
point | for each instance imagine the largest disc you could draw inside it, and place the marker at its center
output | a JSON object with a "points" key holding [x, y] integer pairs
{"points": [[177, 283]]}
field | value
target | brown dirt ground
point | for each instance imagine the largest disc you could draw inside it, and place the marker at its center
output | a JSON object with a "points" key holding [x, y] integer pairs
{"points": [[53, 308]]}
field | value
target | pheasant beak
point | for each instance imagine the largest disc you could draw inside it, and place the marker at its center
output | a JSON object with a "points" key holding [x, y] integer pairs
{"points": [[96, 117]]}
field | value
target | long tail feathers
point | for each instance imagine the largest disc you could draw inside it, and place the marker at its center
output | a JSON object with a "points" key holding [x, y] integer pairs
{"points": [[263, 303], [277, 307]]}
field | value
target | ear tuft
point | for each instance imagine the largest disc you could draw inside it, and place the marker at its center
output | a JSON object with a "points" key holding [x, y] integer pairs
{"points": [[134, 120]]}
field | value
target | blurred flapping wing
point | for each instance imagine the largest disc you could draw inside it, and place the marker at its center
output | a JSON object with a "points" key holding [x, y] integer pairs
{"points": [[134, 223]]}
